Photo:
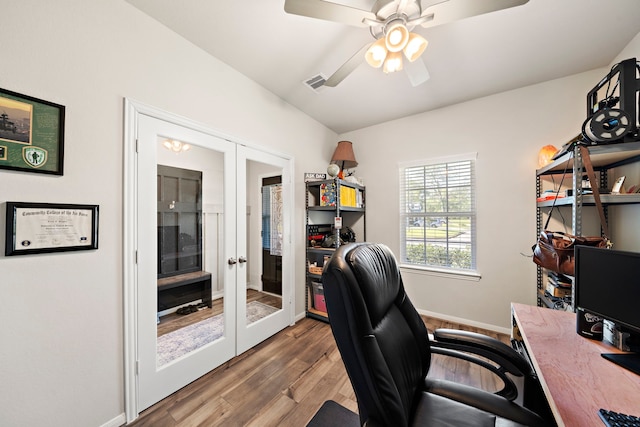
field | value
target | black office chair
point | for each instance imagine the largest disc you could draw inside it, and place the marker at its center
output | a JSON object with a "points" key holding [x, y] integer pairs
{"points": [[386, 350]]}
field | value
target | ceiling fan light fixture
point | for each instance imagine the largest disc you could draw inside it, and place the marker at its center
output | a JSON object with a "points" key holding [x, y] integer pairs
{"points": [[176, 146], [392, 21], [397, 37], [415, 46], [393, 63], [376, 54]]}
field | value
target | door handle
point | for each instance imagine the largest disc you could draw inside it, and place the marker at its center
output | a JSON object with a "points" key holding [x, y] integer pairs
{"points": [[242, 260], [232, 261]]}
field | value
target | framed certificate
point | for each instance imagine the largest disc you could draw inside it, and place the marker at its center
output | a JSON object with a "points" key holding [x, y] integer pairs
{"points": [[35, 228]]}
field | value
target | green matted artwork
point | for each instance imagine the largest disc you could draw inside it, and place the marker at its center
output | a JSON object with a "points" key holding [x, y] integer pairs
{"points": [[31, 134]]}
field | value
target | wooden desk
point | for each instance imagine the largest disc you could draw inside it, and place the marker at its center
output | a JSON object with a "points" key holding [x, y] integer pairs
{"points": [[576, 380]]}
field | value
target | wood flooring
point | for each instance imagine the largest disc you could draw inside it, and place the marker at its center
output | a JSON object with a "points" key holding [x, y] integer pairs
{"points": [[284, 380]]}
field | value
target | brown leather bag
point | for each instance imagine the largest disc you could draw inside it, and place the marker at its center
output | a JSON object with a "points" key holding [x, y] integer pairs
{"points": [[554, 250]]}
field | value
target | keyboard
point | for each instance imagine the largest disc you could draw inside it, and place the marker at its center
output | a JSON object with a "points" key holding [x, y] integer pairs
{"points": [[616, 419]]}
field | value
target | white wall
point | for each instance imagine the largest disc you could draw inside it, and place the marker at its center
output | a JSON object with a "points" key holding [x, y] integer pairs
{"points": [[506, 130], [61, 362]]}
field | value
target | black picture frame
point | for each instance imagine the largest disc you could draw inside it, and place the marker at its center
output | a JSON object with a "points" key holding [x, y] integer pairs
{"points": [[31, 134], [36, 228]]}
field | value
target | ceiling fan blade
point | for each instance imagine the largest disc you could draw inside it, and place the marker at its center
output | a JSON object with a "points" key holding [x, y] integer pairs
{"points": [[329, 11], [348, 67], [417, 72], [455, 10]]}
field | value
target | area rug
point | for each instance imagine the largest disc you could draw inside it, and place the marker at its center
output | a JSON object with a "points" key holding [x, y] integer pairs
{"points": [[185, 340]]}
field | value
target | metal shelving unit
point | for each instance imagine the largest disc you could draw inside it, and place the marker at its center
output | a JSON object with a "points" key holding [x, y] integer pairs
{"points": [[604, 157], [320, 219]]}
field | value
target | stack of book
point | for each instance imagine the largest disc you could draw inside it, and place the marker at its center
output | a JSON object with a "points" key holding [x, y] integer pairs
{"points": [[558, 285], [348, 196], [351, 197]]}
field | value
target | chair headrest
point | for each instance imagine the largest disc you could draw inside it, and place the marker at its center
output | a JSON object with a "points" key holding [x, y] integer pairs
{"points": [[376, 270]]}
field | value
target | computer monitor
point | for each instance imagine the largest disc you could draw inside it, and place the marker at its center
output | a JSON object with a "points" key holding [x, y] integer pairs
{"points": [[607, 284]]}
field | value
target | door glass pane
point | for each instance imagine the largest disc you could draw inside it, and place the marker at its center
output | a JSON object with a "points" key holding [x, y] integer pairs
{"points": [[190, 249], [264, 240]]}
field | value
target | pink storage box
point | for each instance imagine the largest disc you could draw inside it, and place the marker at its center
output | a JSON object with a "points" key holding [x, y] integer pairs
{"points": [[318, 297]]}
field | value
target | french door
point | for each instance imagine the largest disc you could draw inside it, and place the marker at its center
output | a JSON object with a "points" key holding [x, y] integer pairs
{"points": [[169, 354], [252, 164]]}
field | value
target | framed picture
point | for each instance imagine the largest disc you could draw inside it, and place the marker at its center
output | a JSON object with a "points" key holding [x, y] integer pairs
{"points": [[31, 134], [35, 228]]}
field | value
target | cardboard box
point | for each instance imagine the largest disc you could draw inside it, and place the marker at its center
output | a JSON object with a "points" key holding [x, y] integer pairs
{"points": [[558, 291]]}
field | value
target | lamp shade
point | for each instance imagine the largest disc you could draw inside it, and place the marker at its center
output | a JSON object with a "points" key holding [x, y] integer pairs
{"points": [[376, 54], [344, 156], [393, 62], [415, 46], [397, 37]]}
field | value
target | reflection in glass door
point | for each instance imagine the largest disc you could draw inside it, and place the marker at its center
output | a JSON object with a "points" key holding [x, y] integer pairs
{"points": [[193, 297], [188, 275], [272, 233]]}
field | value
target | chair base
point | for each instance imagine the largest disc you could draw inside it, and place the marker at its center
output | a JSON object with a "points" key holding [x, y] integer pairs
{"points": [[334, 414]]}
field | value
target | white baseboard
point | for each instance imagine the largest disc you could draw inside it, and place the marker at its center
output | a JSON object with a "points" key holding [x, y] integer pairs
{"points": [[118, 421], [454, 319], [466, 322]]}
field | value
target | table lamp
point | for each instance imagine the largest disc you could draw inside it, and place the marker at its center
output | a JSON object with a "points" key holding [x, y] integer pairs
{"points": [[344, 154]]}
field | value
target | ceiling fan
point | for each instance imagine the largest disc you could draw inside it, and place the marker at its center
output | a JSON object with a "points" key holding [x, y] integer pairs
{"points": [[390, 22]]}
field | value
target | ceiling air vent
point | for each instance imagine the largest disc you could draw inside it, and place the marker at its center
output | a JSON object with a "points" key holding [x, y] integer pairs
{"points": [[316, 83]]}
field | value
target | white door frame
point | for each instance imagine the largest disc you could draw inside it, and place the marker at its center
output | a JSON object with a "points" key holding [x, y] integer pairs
{"points": [[132, 111]]}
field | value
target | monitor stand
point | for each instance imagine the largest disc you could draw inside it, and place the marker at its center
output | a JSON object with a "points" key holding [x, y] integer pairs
{"points": [[630, 361]]}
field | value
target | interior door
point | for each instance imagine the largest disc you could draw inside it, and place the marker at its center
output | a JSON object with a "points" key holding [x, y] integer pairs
{"points": [[211, 238], [205, 338], [261, 314]]}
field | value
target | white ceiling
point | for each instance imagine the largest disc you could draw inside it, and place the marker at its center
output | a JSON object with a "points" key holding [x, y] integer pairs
{"points": [[478, 56]]}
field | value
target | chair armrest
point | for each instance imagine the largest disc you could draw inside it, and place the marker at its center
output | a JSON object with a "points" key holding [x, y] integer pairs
{"points": [[485, 401], [509, 391], [485, 346]]}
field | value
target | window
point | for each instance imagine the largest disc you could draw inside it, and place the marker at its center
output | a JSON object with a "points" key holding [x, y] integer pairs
{"points": [[438, 213]]}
